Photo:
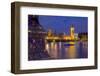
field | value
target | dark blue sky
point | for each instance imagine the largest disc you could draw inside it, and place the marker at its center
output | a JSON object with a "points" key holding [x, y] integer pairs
{"points": [[62, 23]]}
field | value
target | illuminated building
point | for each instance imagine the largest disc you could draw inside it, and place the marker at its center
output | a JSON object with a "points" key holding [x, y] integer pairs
{"points": [[49, 33], [83, 36], [63, 37], [72, 32], [76, 36]]}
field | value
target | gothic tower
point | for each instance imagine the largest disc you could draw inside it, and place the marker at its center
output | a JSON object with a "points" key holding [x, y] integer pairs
{"points": [[72, 32]]}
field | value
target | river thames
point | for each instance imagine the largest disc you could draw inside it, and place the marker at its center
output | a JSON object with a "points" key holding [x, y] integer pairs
{"points": [[67, 50]]}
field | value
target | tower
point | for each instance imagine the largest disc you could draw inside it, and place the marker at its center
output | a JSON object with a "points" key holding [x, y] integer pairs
{"points": [[72, 32], [49, 33]]}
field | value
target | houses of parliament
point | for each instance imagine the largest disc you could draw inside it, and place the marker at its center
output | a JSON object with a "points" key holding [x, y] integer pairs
{"points": [[61, 37]]}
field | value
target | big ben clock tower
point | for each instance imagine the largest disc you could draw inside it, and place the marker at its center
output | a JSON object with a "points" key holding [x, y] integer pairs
{"points": [[72, 29]]}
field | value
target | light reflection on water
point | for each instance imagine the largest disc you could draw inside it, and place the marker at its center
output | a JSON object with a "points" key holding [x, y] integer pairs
{"points": [[63, 50]]}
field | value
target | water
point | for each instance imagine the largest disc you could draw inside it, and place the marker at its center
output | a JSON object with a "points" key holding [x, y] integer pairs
{"points": [[67, 50]]}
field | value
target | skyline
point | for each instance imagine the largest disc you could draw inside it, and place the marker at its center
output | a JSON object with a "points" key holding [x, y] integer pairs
{"points": [[62, 23]]}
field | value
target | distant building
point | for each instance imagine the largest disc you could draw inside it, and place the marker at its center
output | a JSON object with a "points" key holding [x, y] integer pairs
{"points": [[83, 36], [61, 36], [76, 36], [49, 33], [72, 34]]}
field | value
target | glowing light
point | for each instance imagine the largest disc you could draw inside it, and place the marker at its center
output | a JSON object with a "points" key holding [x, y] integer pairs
{"points": [[72, 53]]}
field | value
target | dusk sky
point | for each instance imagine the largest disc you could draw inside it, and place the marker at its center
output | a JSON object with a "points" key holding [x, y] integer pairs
{"points": [[62, 23]]}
